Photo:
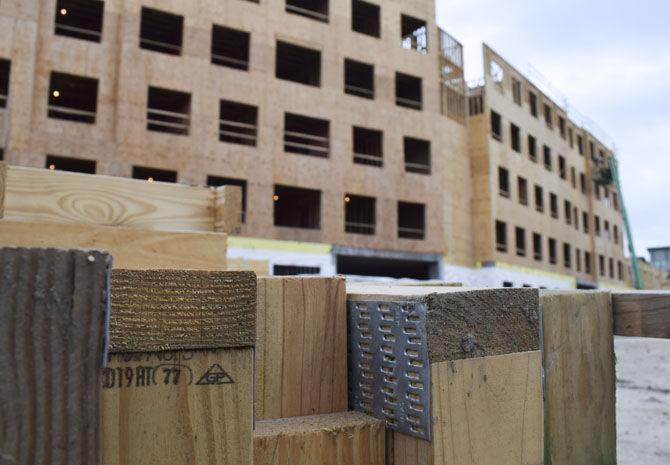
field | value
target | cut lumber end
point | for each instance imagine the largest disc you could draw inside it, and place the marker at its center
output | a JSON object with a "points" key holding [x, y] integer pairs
{"points": [[346, 438], [227, 209], [642, 313], [54, 308], [155, 310]]}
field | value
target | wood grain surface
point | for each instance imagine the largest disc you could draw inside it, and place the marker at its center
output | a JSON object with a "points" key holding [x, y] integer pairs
{"points": [[131, 248], [53, 318], [642, 313], [156, 310]]}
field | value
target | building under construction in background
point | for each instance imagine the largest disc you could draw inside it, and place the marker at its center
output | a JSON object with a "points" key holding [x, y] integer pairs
{"points": [[347, 123]]}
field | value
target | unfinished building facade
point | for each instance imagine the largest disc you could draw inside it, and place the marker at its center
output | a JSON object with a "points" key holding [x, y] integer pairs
{"points": [[541, 216], [345, 123]]}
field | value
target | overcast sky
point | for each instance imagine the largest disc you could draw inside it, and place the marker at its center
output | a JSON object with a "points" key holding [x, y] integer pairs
{"points": [[611, 59]]}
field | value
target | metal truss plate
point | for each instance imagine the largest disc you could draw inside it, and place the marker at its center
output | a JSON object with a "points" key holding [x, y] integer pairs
{"points": [[389, 371]]}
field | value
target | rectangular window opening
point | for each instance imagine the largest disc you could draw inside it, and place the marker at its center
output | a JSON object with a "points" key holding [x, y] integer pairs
{"points": [[217, 181], [547, 157], [298, 64], [408, 91], [161, 31], [5, 66], [230, 47], [306, 136], [414, 34], [75, 165], [154, 174], [496, 125], [516, 91], [515, 134], [578, 260], [359, 214], [601, 265], [561, 126], [417, 155], [73, 98], [567, 207], [368, 146], [238, 123], [537, 247], [553, 204], [314, 9], [539, 199], [522, 190], [532, 103], [503, 182], [611, 267], [585, 222], [411, 220], [520, 236], [365, 18], [587, 262], [168, 111], [501, 236], [552, 251], [532, 148], [359, 79], [81, 19], [296, 207], [548, 118], [567, 255], [562, 169]]}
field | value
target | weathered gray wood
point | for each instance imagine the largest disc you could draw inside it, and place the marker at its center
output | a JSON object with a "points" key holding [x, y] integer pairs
{"points": [[154, 310], [53, 323]]}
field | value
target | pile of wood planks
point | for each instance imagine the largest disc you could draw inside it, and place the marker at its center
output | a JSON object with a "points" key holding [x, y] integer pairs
{"points": [[180, 361]]}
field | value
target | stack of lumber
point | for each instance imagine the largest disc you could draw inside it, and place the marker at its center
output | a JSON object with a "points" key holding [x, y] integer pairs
{"points": [[162, 225]]}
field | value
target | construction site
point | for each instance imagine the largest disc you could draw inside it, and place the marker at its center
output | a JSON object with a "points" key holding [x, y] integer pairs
{"points": [[290, 232]]}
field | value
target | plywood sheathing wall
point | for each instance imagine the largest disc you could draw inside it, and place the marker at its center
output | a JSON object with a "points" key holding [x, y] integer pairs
{"points": [[580, 426], [486, 390], [301, 352], [179, 386], [53, 317]]}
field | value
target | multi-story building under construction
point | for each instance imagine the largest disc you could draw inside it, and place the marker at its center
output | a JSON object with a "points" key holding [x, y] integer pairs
{"points": [[347, 123]]}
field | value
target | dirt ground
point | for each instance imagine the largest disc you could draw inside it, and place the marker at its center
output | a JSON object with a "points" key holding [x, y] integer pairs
{"points": [[643, 400]]}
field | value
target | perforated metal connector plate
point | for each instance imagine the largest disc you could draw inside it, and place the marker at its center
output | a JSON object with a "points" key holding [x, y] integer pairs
{"points": [[389, 371]]}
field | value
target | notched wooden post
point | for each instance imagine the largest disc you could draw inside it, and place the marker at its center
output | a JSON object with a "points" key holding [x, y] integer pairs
{"points": [[54, 307]]}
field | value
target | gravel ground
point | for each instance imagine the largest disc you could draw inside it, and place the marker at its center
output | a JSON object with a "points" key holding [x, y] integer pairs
{"points": [[643, 400]]}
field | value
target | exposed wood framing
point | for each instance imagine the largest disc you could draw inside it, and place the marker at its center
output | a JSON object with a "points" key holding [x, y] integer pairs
{"points": [[642, 313], [348, 438], [53, 318], [227, 209], [301, 353], [131, 248], [580, 424]]}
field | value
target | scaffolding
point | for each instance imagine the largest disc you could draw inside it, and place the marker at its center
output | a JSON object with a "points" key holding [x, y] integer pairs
{"points": [[452, 88]]}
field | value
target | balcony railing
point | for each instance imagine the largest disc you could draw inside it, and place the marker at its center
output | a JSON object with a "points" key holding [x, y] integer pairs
{"points": [[229, 61], [306, 12], [359, 91], [359, 228], [411, 233], [408, 102], [421, 168], [64, 29], [157, 45], [365, 159], [307, 144], [237, 132], [168, 121], [61, 112]]}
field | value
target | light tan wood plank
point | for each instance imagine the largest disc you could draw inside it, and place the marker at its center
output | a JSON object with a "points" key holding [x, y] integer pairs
{"points": [[65, 197], [131, 248], [580, 379], [347, 438], [53, 313], [302, 350], [228, 209], [155, 412], [260, 267], [174, 309], [642, 313]]}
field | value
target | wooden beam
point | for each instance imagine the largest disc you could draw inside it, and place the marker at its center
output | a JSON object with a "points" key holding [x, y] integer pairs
{"points": [[39, 195], [485, 366], [348, 438], [228, 209], [171, 309], [579, 372], [53, 317], [301, 353], [175, 408], [260, 267], [3, 186], [642, 313], [131, 248]]}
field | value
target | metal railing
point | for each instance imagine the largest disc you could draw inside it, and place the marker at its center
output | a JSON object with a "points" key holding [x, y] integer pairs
{"points": [[229, 61], [168, 121], [309, 144], [306, 12], [360, 91], [408, 102], [157, 44], [360, 228], [365, 159], [411, 233], [58, 111], [235, 131], [79, 30], [421, 168], [500, 247]]}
